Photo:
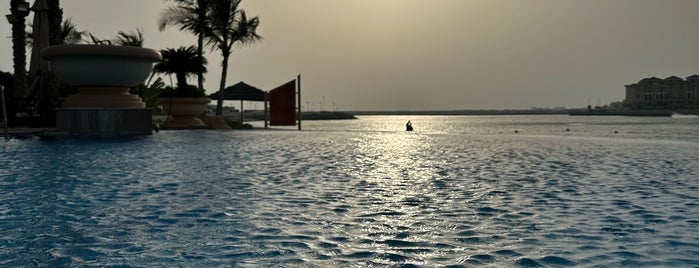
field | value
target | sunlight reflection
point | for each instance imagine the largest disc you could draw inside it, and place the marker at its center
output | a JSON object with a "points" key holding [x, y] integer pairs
{"points": [[396, 174], [395, 158]]}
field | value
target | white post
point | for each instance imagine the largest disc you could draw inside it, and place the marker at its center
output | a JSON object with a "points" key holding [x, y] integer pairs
{"points": [[266, 108], [298, 80], [241, 112]]}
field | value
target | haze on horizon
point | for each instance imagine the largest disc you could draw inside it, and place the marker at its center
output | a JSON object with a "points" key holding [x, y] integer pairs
{"points": [[433, 55]]}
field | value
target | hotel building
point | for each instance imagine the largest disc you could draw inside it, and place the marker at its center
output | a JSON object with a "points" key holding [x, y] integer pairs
{"points": [[672, 93]]}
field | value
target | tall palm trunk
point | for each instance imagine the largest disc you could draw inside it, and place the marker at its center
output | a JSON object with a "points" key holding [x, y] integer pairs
{"points": [[181, 80], [222, 86], [200, 53], [55, 19], [19, 50], [202, 9]]}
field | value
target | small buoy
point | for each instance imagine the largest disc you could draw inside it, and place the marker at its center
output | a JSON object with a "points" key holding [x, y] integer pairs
{"points": [[516, 131], [567, 129], [615, 132]]}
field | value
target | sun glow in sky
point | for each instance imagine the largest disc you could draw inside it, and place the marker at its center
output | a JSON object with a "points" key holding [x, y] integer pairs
{"points": [[442, 54]]}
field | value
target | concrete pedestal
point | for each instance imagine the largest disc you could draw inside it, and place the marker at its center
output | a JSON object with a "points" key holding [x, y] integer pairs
{"points": [[104, 121], [103, 97]]}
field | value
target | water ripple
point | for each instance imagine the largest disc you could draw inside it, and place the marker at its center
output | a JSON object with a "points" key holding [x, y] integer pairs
{"points": [[336, 198]]}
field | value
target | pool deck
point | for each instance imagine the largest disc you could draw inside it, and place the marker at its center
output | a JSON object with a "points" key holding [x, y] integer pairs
{"points": [[22, 132], [44, 133]]}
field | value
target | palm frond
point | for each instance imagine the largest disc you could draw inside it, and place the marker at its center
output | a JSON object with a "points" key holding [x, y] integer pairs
{"points": [[246, 30], [177, 16], [70, 33], [134, 39], [98, 41], [186, 15]]}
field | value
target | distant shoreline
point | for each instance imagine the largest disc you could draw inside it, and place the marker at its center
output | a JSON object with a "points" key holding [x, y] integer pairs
{"points": [[344, 115], [573, 112], [463, 112]]}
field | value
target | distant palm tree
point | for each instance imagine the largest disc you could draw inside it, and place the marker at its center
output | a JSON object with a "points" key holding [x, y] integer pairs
{"points": [[228, 26], [183, 62], [189, 16]]}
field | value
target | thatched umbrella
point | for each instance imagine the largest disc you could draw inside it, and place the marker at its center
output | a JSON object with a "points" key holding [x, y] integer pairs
{"points": [[38, 67], [242, 91]]}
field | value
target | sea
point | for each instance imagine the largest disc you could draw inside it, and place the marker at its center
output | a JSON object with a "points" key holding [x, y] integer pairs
{"points": [[458, 191]]}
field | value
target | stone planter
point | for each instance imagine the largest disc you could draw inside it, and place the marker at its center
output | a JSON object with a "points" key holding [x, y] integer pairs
{"points": [[184, 111], [102, 75]]}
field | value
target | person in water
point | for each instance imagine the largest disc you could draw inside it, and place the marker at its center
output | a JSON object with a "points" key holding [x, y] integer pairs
{"points": [[408, 126]]}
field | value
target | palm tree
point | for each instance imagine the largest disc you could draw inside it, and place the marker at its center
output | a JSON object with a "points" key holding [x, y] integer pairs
{"points": [[188, 16], [183, 62], [228, 26]]}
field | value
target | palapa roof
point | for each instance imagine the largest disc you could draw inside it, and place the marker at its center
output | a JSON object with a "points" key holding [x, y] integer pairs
{"points": [[241, 91]]}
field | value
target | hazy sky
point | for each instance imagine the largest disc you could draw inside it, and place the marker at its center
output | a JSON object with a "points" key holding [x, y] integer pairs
{"points": [[437, 54]]}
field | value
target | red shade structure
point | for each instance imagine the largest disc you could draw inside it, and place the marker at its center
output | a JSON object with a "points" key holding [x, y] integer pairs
{"points": [[282, 104], [283, 108]]}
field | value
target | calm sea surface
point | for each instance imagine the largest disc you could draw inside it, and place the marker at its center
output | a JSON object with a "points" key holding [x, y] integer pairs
{"points": [[471, 191]]}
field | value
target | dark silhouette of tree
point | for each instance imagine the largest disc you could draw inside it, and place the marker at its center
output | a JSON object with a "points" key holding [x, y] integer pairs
{"points": [[133, 39], [69, 34], [183, 62], [228, 25], [56, 23], [188, 16], [18, 49]]}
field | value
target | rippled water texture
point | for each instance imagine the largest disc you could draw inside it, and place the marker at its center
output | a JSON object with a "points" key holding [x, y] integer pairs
{"points": [[457, 192]]}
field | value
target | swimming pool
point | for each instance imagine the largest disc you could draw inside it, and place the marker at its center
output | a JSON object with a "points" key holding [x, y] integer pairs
{"points": [[458, 191]]}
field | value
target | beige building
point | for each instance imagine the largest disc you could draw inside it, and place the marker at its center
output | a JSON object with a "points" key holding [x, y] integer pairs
{"points": [[672, 93]]}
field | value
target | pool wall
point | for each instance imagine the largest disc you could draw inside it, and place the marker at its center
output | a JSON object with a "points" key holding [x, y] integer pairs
{"points": [[104, 122]]}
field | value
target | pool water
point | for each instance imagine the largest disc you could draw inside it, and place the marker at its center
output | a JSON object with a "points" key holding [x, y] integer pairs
{"points": [[456, 192]]}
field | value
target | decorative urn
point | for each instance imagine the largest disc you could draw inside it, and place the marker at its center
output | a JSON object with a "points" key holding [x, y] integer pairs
{"points": [[101, 73]]}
